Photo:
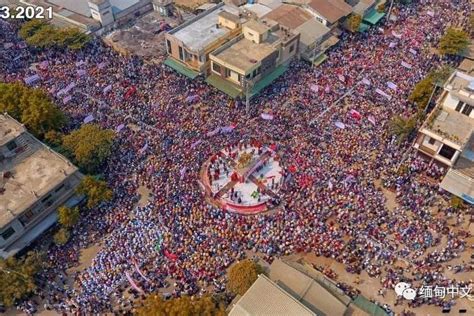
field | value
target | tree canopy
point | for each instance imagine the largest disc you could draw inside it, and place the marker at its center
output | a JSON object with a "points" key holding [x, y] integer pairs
{"points": [[42, 34], [96, 191], [31, 107], [402, 127], [242, 275], [424, 88], [453, 42], [153, 305], [353, 22], [61, 237], [67, 216], [17, 277], [90, 146]]}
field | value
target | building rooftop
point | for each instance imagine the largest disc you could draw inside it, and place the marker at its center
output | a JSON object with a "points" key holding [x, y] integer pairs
{"points": [[258, 9], [452, 125], [82, 7], [33, 173], [305, 289], [265, 297], [467, 66], [69, 11], [288, 15], [9, 129], [257, 26], [331, 10], [244, 54], [362, 5], [461, 86], [273, 4], [229, 16], [202, 31], [310, 31], [465, 163]]}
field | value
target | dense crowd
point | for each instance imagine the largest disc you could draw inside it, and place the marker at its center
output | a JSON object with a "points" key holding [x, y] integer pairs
{"points": [[331, 122]]}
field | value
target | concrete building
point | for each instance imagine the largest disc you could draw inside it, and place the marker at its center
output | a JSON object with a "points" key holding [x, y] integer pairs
{"points": [[295, 288], [34, 181], [315, 37], [190, 44], [447, 134], [265, 297], [95, 16], [329, 12], [254, 59]]}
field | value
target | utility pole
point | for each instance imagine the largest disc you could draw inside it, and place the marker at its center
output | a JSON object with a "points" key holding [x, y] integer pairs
{"points": [[390, 10]]}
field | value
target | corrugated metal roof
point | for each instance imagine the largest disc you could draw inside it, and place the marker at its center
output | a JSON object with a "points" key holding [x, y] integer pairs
{"points": [[265, 297], [306, 290], [290, 16], [331, 10]]}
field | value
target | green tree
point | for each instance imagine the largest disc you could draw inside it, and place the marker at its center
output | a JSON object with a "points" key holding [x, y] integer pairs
{"points": [[154, 305], [90, 146], [17, 277], [67, 216], [44, 37], [62, 236], [353, 22], [96, 191], [402, 127], [422, 92], [439, 76], [39, 114], [41, 34], [453, 42], [381, 8], [53, 138], [71, 38], [31, 27], [456, 202], [242, 275], [31, 107]]}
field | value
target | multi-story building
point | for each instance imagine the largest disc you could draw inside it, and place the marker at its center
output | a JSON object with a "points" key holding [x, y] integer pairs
{"points": [[34, 182], [447, 136], [315, 37], [190, 44], [253, 59]]}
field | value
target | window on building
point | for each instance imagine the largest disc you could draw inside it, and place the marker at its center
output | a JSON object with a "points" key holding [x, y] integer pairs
{"points": [[59, 188], [46, 199], [431, 141], [216, 67], [168, 46], [11, 145], [26, 217], [181, 53], [292, 48], [459, 106], [447, 152], [467, 110], [8, 233]]}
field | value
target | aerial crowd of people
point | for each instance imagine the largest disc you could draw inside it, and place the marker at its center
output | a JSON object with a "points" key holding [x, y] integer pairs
{"points": [[331, 123]]}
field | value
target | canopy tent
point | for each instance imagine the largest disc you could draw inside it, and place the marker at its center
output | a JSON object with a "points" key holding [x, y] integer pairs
{"points": [[181, 68], [373, 16], [363, 28]]}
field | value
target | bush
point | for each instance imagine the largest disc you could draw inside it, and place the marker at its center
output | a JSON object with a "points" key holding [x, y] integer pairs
{"points": [[62, 236]]}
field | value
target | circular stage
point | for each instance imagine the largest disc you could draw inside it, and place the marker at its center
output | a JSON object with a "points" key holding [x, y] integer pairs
{"points": [[244, 178]]}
